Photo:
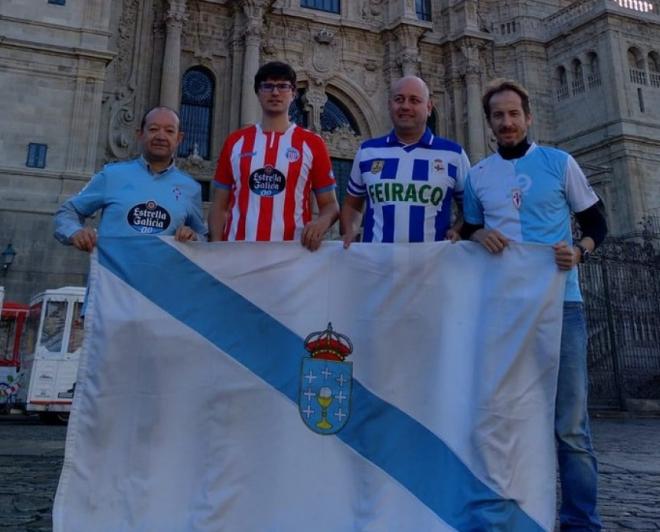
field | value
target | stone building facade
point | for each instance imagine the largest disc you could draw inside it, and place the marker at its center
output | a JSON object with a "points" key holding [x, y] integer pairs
{"points": [[77, 75]]}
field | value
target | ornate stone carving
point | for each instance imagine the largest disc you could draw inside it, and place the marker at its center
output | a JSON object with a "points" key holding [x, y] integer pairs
{"points": [[125, 39], [313, 100], [371, 77], [121, 128], [343, 142], [324, 36], [372, 9], [176, 14], [323, 55], [122, 125], [408, 58], [196, 166]]}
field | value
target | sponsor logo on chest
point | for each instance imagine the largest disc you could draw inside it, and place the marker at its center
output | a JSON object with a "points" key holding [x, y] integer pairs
{"points": [[148, 218], [267, 181], [421, 193]]}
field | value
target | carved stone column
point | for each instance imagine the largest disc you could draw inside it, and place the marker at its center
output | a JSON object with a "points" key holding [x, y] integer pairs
{"points": [[474, 112], [456, 84], [408, 36], [171, 78], [474, 109], [253, 11]]}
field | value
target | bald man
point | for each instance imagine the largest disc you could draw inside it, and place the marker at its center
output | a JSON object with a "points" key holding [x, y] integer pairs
{"points": [[408, 178]]}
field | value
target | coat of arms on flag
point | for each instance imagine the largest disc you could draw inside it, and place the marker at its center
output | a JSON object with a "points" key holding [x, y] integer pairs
{"points": [[325, 381]]}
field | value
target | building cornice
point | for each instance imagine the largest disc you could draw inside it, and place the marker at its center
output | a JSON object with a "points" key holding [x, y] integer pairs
{"points": [[87, 53]]}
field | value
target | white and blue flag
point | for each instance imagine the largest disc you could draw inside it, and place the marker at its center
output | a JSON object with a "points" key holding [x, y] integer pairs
{"points": [[260, 387]]}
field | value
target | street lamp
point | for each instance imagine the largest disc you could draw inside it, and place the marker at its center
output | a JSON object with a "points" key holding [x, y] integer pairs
{"points": [[7, 258]]}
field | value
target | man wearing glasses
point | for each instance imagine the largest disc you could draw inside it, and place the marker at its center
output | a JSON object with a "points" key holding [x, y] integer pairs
{"points": [[266, 172]]}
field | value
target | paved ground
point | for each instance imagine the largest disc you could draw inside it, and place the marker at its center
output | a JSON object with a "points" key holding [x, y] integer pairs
{"points": [[628, 450]]}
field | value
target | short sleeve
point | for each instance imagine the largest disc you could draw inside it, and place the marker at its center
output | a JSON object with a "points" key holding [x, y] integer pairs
{"points": [[579, 194], [321, 175], [224, 174], [461, 176], [356, 186], [473, 212]]}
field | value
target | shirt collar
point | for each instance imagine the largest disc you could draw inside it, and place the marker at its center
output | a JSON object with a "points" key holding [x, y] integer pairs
{"points": [[425, 140], [146, 165]]}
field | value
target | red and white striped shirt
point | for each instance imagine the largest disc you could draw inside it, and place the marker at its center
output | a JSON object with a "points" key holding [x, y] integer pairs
{"points": [[270, 176]]}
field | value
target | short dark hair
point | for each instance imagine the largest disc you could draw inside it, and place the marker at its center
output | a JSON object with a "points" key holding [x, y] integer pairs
{"points": [[500, 85], [143, 122], [274, 70]]}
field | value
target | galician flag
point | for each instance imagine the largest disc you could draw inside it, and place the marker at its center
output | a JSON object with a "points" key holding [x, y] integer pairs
{"points": [[260, 387]]}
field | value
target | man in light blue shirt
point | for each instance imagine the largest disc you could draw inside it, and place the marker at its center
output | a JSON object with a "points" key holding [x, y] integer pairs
{"points": [[144, 196], [526, 193]]}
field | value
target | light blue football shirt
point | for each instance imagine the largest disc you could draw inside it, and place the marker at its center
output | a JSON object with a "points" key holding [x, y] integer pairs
{"points": [[530, 199], [134, 201]]}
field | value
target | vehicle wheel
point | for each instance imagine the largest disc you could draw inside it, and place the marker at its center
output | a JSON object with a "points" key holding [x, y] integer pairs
{"points": [[54, 418]]}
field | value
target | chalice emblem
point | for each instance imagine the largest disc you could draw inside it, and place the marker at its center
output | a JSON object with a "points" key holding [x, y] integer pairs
{"points": [[324, 398], [326, 378]]}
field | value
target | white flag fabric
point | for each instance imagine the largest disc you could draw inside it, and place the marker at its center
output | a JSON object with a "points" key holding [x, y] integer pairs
{"points": [[213, 395]]}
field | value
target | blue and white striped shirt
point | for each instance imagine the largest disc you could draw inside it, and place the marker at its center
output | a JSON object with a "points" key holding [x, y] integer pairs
{"points": [[408, 188]]}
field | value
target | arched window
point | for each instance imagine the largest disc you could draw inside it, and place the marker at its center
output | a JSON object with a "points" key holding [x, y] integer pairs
{"points": [[654, 68], [635, 59], [561, 83], [578, 77], [636, 64], [196, 112], [335, 115], [297, 113], [593, 74]]}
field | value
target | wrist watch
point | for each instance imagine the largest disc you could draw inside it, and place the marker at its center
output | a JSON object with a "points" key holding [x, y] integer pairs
{"points": [[584, 252]]}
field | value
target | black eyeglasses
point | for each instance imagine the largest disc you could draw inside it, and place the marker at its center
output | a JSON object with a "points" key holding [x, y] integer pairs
{"points": [[270, 87]]}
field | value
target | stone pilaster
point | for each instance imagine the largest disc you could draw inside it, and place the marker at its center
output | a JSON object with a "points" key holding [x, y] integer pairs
{"points": [[456, 85], [254, 12], [171, 77], [477, 148]]}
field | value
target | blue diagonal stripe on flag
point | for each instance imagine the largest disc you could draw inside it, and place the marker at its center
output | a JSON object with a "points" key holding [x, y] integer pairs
{"points": [[406, 450]]}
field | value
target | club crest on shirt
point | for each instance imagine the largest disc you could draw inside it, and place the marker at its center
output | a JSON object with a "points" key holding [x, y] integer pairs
{"points": [[377, 166], [177, 192], [438, 165], [267, 181], [148, 218], [324, 398], [516, 197], [292, 155]]}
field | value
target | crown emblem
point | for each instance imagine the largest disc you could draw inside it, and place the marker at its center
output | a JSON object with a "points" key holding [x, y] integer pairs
{"points": [[329, 345]]}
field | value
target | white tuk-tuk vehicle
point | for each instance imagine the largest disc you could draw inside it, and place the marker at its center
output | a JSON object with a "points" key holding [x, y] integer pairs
{"points": [[12, 323], [50, 353]]}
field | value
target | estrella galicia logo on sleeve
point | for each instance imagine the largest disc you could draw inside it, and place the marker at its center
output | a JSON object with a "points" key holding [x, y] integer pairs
{"points": [[324, 399], [267, 181], [148, 218]]}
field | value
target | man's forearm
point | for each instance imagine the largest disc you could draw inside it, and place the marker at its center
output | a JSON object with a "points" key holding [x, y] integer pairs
{"points": [[217, 222], [67, 222], [328, 215]]}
